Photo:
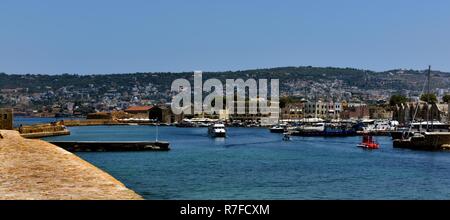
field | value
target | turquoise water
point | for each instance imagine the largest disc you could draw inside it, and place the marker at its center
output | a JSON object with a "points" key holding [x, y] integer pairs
{"points": [[253, 163]]}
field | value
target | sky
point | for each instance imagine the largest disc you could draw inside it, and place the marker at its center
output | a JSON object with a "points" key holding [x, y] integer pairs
{"points": [[110, 36]]}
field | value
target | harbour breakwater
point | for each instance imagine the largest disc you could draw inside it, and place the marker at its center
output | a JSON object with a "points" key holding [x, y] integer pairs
{"points": [[90, 122], [43, 130], [59, 128], [37, 170]]}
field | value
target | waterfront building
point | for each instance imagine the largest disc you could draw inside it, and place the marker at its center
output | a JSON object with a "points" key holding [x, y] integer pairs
{"points": [[255, 115], [141, 112], [224, 115], [379, 112], [355, 111], [164, 114], [325, 110], [293, 111], [6, 118], [404, 113]]}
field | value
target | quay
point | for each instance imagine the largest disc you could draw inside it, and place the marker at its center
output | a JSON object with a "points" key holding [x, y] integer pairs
{"points": [[100, 146], [36, 170]]}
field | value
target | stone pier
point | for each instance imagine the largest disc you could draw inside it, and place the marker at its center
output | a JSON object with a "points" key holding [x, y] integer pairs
{"points": [[37, 170]]}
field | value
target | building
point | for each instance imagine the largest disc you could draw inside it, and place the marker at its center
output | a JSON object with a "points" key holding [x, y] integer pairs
{"points": [[6, 118], [224, 115], [422, 111], [161, 114], [293, 111], [325, 110], [141, 112], [355, 111], [379, 112], [255, 115]]}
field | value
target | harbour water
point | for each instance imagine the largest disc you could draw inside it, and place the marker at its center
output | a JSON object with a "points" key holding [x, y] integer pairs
{"points": [[253, 163]]}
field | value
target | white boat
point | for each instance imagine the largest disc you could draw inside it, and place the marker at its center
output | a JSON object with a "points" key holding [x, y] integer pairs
{"points": [[378, 126], [278, 129], [217, 130]]}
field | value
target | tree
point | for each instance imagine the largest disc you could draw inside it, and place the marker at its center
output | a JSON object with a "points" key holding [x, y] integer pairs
{"points": [[397, 100], [446, 98], [429, 98]]}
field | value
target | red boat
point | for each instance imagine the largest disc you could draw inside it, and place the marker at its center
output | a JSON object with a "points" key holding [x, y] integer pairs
{"points": [[368, 142]]}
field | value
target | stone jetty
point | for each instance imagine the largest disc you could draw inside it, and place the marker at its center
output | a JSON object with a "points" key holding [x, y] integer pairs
{"points": [[37, 170]]}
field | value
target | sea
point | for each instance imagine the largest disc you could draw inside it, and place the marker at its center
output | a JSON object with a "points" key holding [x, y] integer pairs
{"points": [[252, 163]]}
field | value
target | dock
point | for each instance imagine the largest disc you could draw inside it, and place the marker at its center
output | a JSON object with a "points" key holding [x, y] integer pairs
{"points": [[37, 170], [101, 146]]}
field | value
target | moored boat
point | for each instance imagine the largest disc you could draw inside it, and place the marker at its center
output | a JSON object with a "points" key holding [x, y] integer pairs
{"points": [[325, 130], [418, 127], [425, 141]]}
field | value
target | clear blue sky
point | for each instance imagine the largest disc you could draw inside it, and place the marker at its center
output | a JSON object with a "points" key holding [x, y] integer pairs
{"points": [[108, 36]]}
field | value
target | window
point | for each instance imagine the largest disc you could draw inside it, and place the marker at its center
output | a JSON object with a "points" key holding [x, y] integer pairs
{"points": [[5, 116]]}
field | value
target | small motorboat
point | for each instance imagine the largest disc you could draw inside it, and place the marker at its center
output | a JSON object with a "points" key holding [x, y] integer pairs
{"points": [[368, 142], [286, 137]]}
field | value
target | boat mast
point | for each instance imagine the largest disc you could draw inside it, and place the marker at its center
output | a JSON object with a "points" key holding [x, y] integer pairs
{"points": [[156, 136], [428, 97]]}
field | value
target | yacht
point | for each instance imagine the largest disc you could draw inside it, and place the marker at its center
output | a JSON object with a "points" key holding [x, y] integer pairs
{"points": [[217, 130]]}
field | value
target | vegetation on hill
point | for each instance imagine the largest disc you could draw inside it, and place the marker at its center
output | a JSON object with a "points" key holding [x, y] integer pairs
{"points": [[394, 79]]}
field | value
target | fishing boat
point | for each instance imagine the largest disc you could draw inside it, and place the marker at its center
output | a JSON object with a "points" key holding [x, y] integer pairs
{"points": [[368, 142], [217, 130]]}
